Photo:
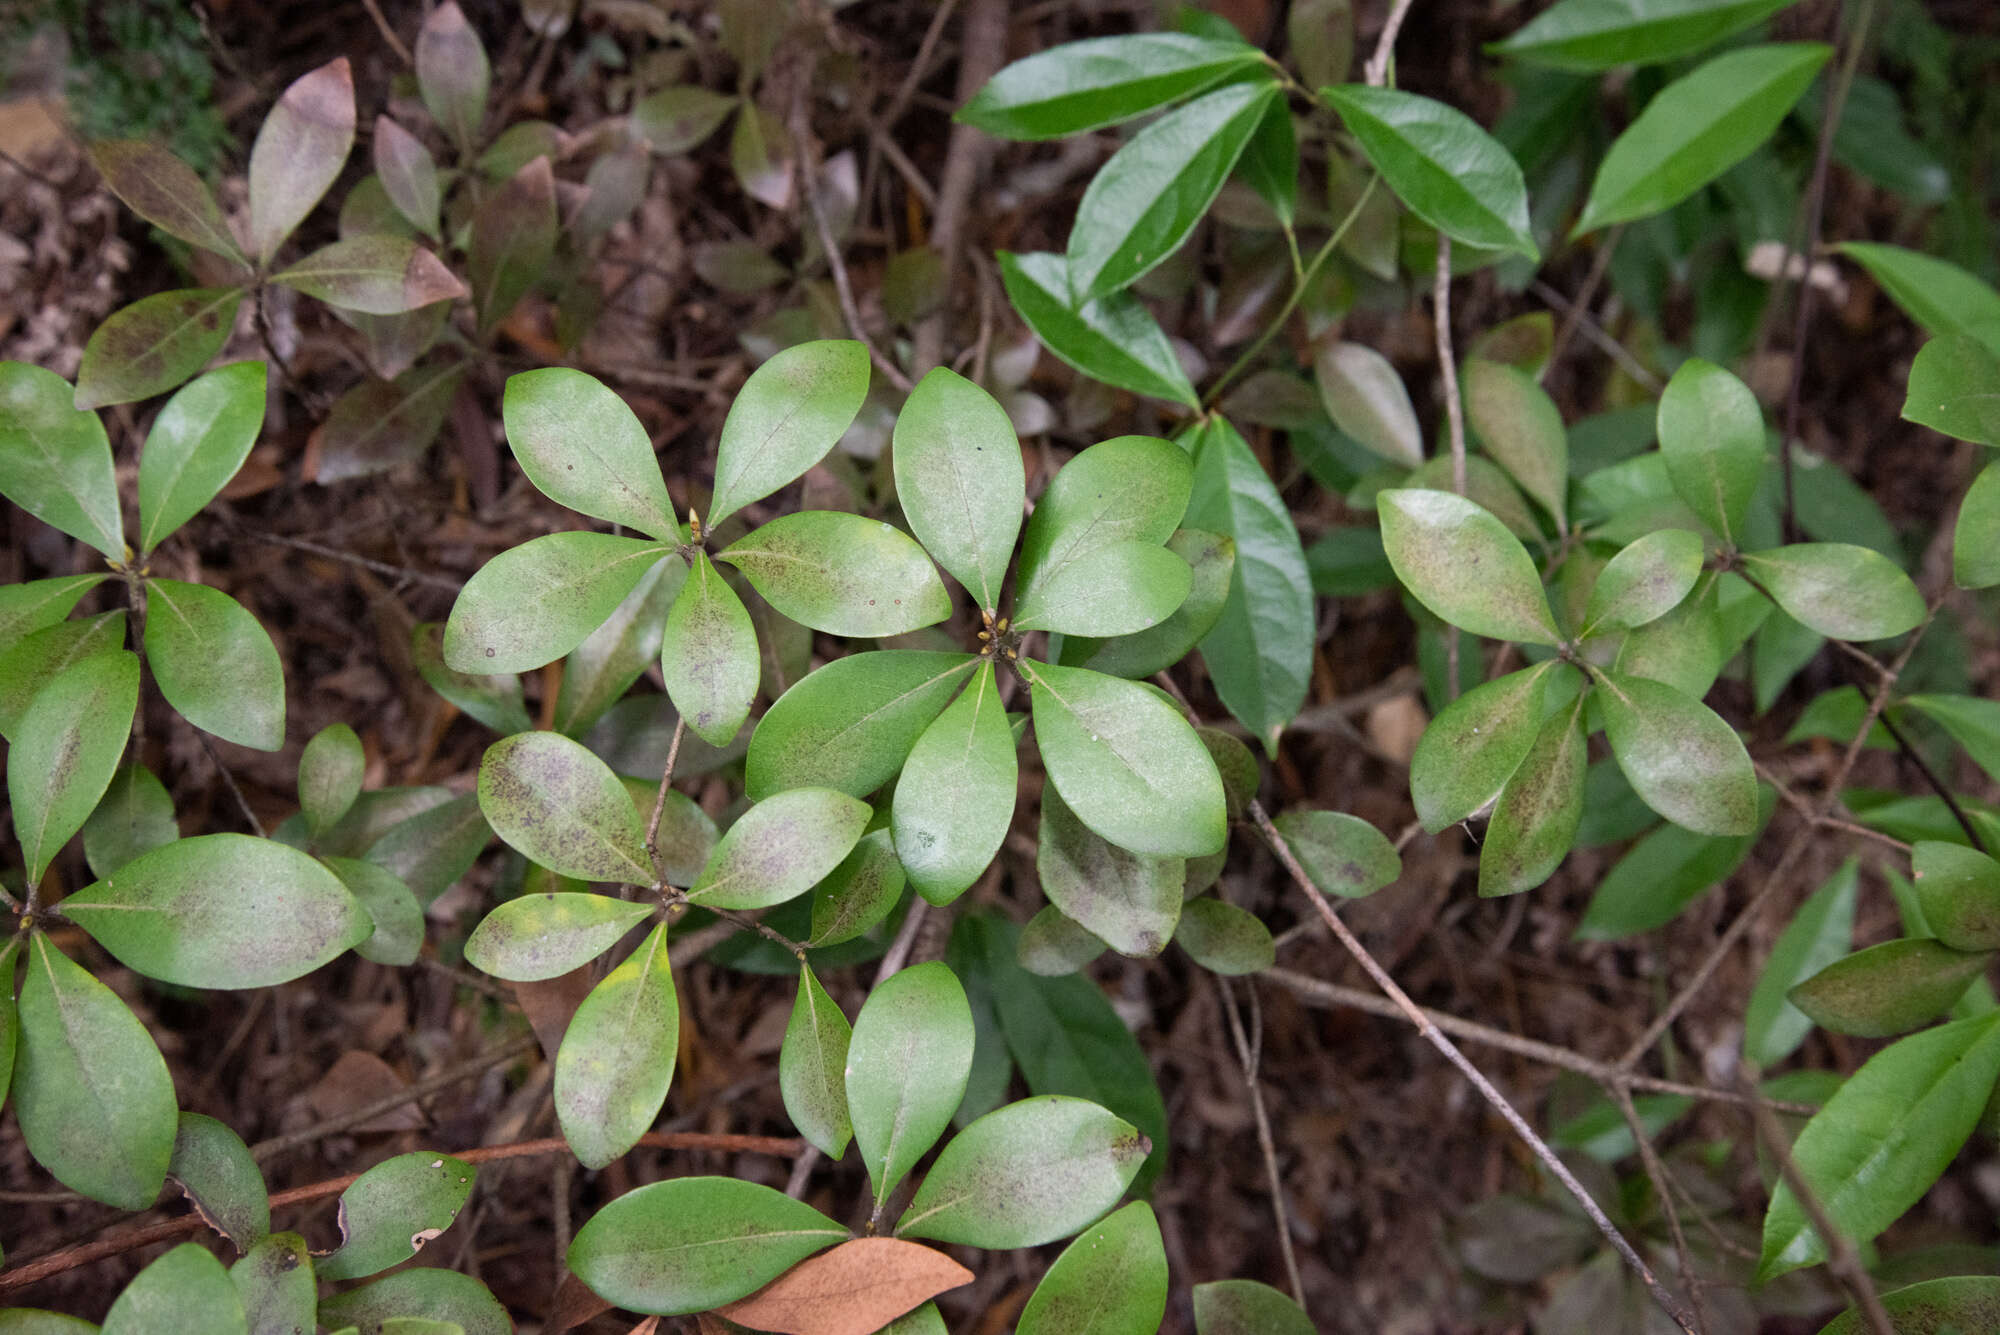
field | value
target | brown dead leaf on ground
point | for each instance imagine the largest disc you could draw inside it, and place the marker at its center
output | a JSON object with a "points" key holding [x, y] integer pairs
{"points": [[858, 1287]]}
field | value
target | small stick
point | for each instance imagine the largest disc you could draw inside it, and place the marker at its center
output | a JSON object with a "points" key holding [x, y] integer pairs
{"points": [[1248, 1060]]}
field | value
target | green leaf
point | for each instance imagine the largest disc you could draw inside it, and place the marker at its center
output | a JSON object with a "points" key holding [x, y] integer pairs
{"points": [[1465, 566], [543, 936], [906, 1069], [1111, 1281], [381, 423], [842, 574], [1444, 168], [1519, 425], [1590, 36], [1817, 935], [1114, 338], [299, 152], [562, 807], [779, 848], [215, 664], [39, 604], [1245, 1307], [1126, 762], [494, 698], [453, 74], [1661, 875], [196, 445], [213, 1166], [1842, 591], [330, 770], [1344, 855], [1474, 745], [1955, 388], [513, 241], [955, 800], [275, 1282], [429, 850], [709, 658], [850, 725], [1131, 489], [1211, 559], [166, 192], [812, 1067], [677, 118], [1224, 939], [1116, 590], [1698, 127], [959, 476], [1960, 893], [760, 154], [221, 910], [1972, 722], [788, 414], [55, 460], [580, 444], [1259, 652], [1888, 989], [46, 654], [1937, 294], [408, 174], [1684, 761], [857, 894], [421, 1291], [35, 1321], [1535, 823], [1026, 1174], [135, 816], [1958, 1303], [1270, 162], [375, 274], [1883, 1138], [91, 1092], [1367, 400], [393, 1209], [1053, 944], [391, 905], [1101, 81], [599, 671], [65, 750], [1647, 579], [534, 603], [616, 1061], [1130, 901], [185, 1292], [689, 1244]]}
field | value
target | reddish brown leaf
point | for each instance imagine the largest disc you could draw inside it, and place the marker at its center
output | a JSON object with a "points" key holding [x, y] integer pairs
{"points": [[574, 1304], [299, 151], [453, 74], [408, 174], [513, 235], [550, 1003], [357, 1080], [380, 423], [375, 274], [856, 1288], [165, 191], [152, 345]]}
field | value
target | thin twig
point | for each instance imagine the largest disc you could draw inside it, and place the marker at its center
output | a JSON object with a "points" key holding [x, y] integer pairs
{"points": [[982, 49], [920, 66], [388, 33], [1662, 1180], [229, 780], [1248, 1060], [660, 798], [1377, 69], [1454, 412], [363, 562], [1604, 343], [1579, 305], [906, 938]]}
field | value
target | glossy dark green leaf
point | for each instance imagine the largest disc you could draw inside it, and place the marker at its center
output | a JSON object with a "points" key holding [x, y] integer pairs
{"points": [[513, 240], [1686, 763], [955, 799], [408, 174], [215, 663], [1818, 934], [1888, 989], [430, 849], [55, 460], [851, 724], [842, 574], [578, 442], [1126, 762], [91, 1091], [66, 749], [195, 446], [1474, 745], [1937, 294], [709, 655], [1367, 399], [1223, 938], [221, 910], [617, 1056], [788, 414], [1534, 824], [779, 848], [1647, 579], [185, 1292], [1842, 591], [534, 603], [45, 655], [375, 274], [1211, 560], [1026, 1174], [1465, 566], [561, 806], [1958, 1303], [213, 1166], [689, 1244], [421, 1291], [166, 192], [494, 698], [812, 1067], [960, 479], [1101, 81], [1143, 202], [1270, 162], [598, 672], [276, 1284], [391, 905], [1519, 425], [906, 1069], [677, 118], [135, 816], [1959, 889], [154, 344], [1589, 36], [453, 74], [1883, 1138], [1131, 901], [393, 1209], [543, 936], [1661, 875], [1245, 1307], [1444, 168], [1259, 653], [330, 770], [299, 152], [1344, 855], [1697, 128], [1955, 388], [1111, 1281], [1114, 338]]}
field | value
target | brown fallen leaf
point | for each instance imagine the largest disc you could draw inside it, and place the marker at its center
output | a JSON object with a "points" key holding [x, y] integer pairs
{"points": [[551, 1002], [357, 1080], [856, 1288], [574, 1304]]}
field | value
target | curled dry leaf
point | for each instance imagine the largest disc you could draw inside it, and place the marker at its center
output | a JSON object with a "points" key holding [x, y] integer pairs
{"points": [[858, 1287]]}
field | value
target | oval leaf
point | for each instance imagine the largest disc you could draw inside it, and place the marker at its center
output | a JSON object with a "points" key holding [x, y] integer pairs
{"points": [[1959, 890], [299, 152], [1087, 85], [136, 816], [1053, 944], [842, 574], [561, 806], [1465, 566], [1114, 338], [330, 770], [1211, 559], [1469, 751], [955, 800], [906, 1069], [213, 1166], [215, 664], [65, 750], [421, 1291], [1366, 399], [779, 848], [1680, 758], [788, 414], [185, 1292], [1128, 489], [513, 241], [1115, 590], [166, 192], [1955, 388], [275, 1280], [1245, 1307], [45, 655], [398, 935], [1841, 590], [1937, 294], [374, 273], [196, 445], [857, 894], [55, 460], [543, 936], [534, 603], [851, 724], [616, 1061], [677, 118], [1344, 855], [393, 1209], [1934, 1307], [1888, 989], [1111, 1281], [709, 655], [453, 74], [1224, 939], [1712, 441], [959, 476], [409, 176], [812, 1066], [154, 344], [580, 444], [1590, 36], [1535, 823], [1129, 901], [598, 672], [1645, 581], [1519, 425]]}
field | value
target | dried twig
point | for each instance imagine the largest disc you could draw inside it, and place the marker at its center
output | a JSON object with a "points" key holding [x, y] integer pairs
{"points": [[1247, 1057]]}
